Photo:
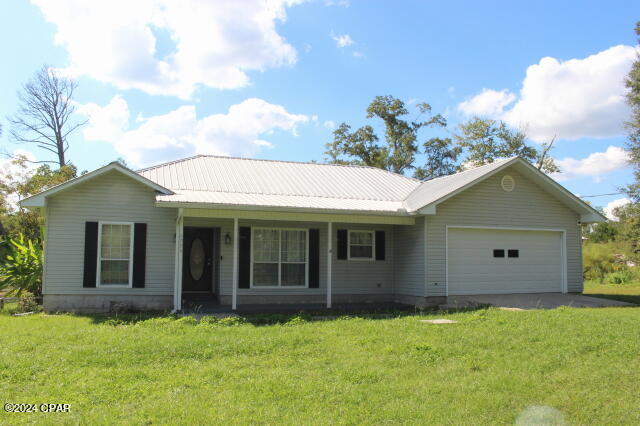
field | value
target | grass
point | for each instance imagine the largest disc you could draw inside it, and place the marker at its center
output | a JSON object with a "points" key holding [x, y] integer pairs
{"points": [[486, 369], [624, 292]]}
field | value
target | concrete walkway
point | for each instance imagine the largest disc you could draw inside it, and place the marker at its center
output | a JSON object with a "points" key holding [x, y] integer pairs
{"points": [[532, 301]]}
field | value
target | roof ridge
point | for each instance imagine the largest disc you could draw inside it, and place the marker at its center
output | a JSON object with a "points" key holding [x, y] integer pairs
{"points": [[276, 161], [286, 195], [458, 174], [180, 160]]}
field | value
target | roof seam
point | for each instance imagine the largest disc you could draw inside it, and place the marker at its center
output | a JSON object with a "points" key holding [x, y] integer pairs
{"points": [[276, 161]]}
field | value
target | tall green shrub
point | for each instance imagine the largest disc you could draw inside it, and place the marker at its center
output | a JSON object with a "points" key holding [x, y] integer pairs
{"points": [[21, 270], [599, 260]]}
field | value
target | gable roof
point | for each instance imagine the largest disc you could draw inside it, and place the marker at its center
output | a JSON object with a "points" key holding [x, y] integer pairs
{"points": [[429, 194], [230, 182], [40, 199], [207, 173]]}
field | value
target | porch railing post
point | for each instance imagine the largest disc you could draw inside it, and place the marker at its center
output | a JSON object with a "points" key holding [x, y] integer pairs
{"points": [[234, 291], [329, 261], [177, 290]]}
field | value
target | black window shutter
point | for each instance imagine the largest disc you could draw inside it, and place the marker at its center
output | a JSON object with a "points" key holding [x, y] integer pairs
{"points": [[380, 245], [244, 257], [139, 254], [90, 254], [314, 258], [343, 243]]}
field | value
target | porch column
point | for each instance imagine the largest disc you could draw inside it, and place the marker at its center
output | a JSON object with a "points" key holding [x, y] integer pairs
{"points": [[234, 292], [177, 288], [329, 261]]}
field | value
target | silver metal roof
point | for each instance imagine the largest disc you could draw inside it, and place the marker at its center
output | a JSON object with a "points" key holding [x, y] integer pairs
{"points": [[212, 174], [219, 182], [281, 201]]}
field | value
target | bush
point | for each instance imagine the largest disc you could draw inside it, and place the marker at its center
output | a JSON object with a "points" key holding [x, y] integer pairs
{"points": [[624, 276], [599, 261], [28, 303], [232, 321], [21, 270]]}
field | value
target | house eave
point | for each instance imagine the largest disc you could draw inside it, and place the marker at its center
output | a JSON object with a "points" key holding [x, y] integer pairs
{"points": [[196, 205]]}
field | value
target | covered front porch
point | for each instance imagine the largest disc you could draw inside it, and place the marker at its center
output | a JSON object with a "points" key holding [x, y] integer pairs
{"points": [[262, 261]]}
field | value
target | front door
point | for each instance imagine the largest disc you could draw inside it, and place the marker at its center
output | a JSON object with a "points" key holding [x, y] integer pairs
{"points": [[197, 267]]}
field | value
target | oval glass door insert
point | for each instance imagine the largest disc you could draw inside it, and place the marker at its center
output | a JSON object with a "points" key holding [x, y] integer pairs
{"points": [[196, 259]]}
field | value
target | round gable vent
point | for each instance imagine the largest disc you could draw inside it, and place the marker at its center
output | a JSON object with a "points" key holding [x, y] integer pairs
{"points": [[508, 184]]}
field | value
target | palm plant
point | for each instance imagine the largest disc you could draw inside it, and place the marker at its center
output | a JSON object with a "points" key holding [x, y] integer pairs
{"points": [[21, 269]]}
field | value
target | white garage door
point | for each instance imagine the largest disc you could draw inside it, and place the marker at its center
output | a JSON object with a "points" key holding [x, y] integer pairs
{"points": [[489, 261]]}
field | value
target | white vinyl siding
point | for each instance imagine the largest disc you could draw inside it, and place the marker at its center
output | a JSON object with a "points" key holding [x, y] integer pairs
{"points": [[487, 204], [112, 197], [409, 259]]}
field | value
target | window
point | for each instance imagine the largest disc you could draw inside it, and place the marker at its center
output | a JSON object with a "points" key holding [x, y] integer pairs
{"points": [[115, 254], [279, 257], [498, 252], [513, 253], [361, 245]]}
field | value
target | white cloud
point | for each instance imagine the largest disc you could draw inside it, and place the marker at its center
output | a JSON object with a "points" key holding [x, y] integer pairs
{"points": [[343, 3], [342, 40], [329, 124], [180, 133], [170, 47], [609, 209], [595, 165], [487, 103], [571, 99], [107, 122]]}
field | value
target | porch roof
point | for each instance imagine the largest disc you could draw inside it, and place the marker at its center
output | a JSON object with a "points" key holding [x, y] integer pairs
{"points": [[185, 198]]}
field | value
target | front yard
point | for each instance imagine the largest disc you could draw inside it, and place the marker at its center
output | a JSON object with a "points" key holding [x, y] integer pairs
{"points": [[489, 368], [624, 292]]}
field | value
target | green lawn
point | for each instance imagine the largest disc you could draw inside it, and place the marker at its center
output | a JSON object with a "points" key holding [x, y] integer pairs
{"points": [[625, 292], [486, 369]]}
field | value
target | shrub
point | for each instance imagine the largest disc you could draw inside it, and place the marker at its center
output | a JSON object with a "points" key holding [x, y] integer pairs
{"points": [[28, 303], [188, 320], [21, 270], [599, 260], [208, 320], [623, 276], [232, 321]]}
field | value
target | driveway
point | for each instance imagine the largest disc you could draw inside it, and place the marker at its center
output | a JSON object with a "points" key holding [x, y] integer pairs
{"points": [[533, 301]]}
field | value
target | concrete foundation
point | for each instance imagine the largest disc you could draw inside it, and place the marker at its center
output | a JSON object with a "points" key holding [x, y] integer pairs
{"points": [[307, 299], [419, 301], [94, 303]]}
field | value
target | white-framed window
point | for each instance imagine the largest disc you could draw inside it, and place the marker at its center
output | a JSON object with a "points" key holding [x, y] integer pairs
{"points": [[115, 254], [361, 245], [279, 257]]}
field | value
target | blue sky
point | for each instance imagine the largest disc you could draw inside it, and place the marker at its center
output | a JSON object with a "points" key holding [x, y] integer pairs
{"points": [[162, 79]]}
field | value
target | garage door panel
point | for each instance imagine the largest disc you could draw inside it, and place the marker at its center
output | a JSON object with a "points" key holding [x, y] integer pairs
{"points": [[472, 268]]}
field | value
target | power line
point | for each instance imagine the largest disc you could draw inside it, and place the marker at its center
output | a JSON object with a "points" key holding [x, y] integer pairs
{"points": [[601, 195]]}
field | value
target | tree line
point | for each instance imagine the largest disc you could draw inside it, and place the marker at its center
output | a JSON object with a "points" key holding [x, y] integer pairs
{"points": [[476, 142]]}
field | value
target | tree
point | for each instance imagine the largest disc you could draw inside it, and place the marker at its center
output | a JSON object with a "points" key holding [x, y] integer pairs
{"points": [[629, 226], [603, 232], [484, 141], [442, 159], [22, 183], [45, 114], [398, 152], [632, 83]]}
